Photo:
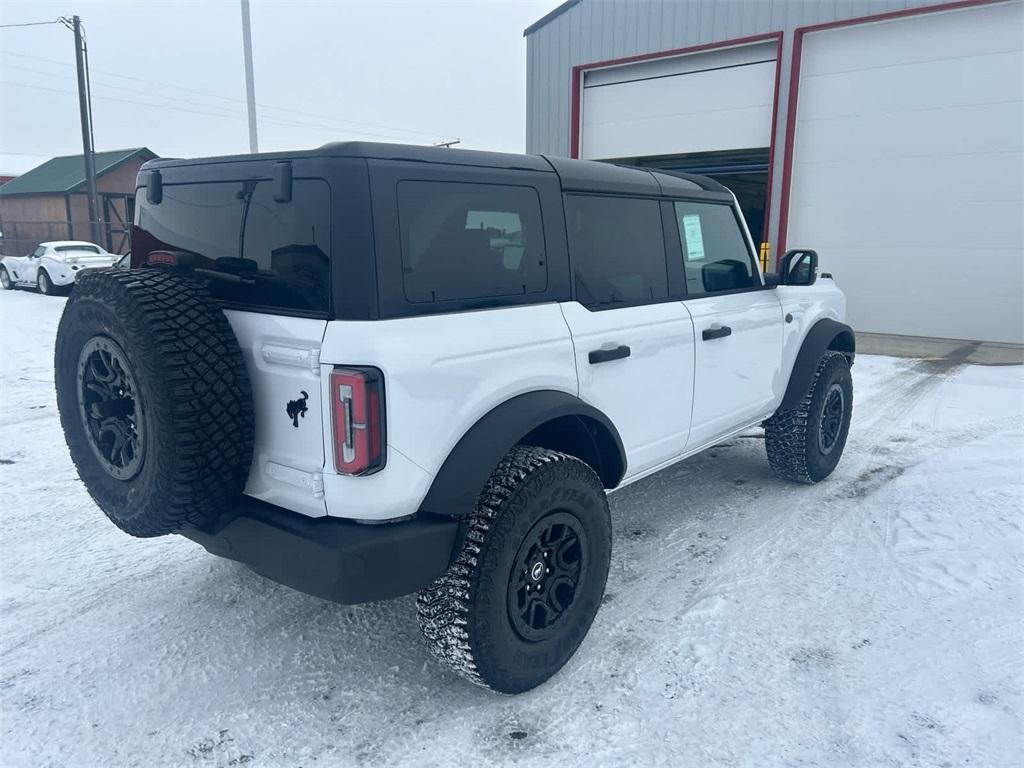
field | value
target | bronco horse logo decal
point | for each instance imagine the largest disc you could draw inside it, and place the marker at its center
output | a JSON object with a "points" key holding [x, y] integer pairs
{"points": [[297, 408]]}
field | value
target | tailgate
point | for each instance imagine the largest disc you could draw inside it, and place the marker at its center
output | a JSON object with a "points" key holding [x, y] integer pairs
{"points": [[282, 355]]}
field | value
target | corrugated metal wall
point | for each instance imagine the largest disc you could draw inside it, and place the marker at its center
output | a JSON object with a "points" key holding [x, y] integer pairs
{"points": [[597, 30]]}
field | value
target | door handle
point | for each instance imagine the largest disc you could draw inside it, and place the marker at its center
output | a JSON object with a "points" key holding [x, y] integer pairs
{"points": [[716, 333], [604, 355]]}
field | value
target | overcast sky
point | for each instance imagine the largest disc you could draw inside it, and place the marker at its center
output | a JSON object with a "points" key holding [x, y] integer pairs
{"points": [[169, 76]]}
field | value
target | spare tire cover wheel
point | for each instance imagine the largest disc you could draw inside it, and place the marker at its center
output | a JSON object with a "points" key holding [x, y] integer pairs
{"points": [[154, 399]]}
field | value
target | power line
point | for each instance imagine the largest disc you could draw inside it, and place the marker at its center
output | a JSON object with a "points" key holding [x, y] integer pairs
{"points": [[208, 95], [30, 24], [61, 76], [222, 114], [221, 111]]}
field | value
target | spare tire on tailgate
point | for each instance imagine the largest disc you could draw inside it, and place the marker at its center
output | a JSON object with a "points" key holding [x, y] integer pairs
{"points": [[154, 399]]}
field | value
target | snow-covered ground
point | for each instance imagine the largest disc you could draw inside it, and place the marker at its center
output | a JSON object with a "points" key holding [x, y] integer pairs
{"points": [[872, 620]]}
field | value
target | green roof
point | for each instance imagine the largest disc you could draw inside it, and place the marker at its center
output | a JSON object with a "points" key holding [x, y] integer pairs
{"points": [[67, 174]]}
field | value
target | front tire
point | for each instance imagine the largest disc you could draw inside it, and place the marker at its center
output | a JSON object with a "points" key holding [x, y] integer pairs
{"points": [[5, 280], [524, 590], [805, 443]]}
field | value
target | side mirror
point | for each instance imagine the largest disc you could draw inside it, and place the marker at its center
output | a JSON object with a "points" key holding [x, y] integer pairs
{"points": [[799, 267]]}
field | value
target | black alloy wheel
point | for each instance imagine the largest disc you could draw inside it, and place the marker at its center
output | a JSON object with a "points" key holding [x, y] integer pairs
{"points": [[548, 569], [111, 408], [832, 414]]}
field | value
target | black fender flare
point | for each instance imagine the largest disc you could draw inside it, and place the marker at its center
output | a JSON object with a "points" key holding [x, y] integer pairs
{"points": [[458, 483], [824, 335]]}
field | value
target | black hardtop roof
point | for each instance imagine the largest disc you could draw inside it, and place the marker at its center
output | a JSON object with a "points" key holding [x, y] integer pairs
{"points": [[381, 151], [578, 175], [596, 176]]}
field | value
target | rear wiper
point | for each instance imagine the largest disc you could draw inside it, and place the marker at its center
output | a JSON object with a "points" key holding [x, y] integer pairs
{"points": [[224, 276]]}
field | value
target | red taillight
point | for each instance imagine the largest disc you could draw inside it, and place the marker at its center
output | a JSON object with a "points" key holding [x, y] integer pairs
{"points": [[161, 258], [357, 418]]}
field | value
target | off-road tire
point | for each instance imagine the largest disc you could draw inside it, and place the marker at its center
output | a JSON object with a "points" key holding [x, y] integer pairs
{"points": [[194, 398], [465, 616], [792, 436], [45, 284]]}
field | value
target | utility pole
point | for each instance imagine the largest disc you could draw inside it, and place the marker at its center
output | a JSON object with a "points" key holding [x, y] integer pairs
{"points": [[87, 148], [250, 89]]}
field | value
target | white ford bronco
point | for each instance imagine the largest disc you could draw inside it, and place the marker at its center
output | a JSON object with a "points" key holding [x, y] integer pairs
{"points": [[369, 370]]}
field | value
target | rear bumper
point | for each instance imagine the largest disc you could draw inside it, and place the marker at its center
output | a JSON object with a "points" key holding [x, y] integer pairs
{"points": [[334, 559]]}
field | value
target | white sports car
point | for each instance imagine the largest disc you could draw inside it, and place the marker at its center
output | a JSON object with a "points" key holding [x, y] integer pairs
{"points": [[53, 266]]}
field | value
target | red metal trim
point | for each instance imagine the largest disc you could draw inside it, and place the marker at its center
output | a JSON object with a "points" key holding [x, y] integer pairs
{"points": [[574, 113], [787, 157], [897, 14], [771, 141], [794, 87], [579, 69]]}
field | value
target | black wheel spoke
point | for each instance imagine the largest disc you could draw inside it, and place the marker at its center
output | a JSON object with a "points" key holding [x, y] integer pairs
{"points": [[567, 554], [101, 389], [539, 612]]}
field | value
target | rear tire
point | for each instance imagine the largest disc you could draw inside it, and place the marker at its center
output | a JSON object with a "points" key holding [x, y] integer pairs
{"points": [[44, 283], [154, 399], [805, 443], [520, 598]]}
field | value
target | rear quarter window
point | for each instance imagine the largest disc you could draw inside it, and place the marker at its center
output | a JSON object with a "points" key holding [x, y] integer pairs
{"points": [[254, 252], [470, 241]]}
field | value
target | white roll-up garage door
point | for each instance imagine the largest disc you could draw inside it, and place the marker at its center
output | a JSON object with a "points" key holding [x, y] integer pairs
{"points": [[701, 102], [908, 170]]}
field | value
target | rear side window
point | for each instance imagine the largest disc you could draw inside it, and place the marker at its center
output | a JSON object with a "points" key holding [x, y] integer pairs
{"points": [[254, 252], [715, 254], [617, 249], [470, 241]]}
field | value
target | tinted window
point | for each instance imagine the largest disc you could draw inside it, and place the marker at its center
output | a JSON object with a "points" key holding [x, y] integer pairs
{"points": [[280, 259], [76, 248], [467, 241], [715, 253], [290, 243], [617, 249]]}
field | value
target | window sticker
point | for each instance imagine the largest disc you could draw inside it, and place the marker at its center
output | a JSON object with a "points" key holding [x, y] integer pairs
{"points": [[694, 237]]}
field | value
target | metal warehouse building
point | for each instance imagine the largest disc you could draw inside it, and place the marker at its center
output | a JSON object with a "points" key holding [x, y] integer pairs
{"points": [[887, 134]]}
